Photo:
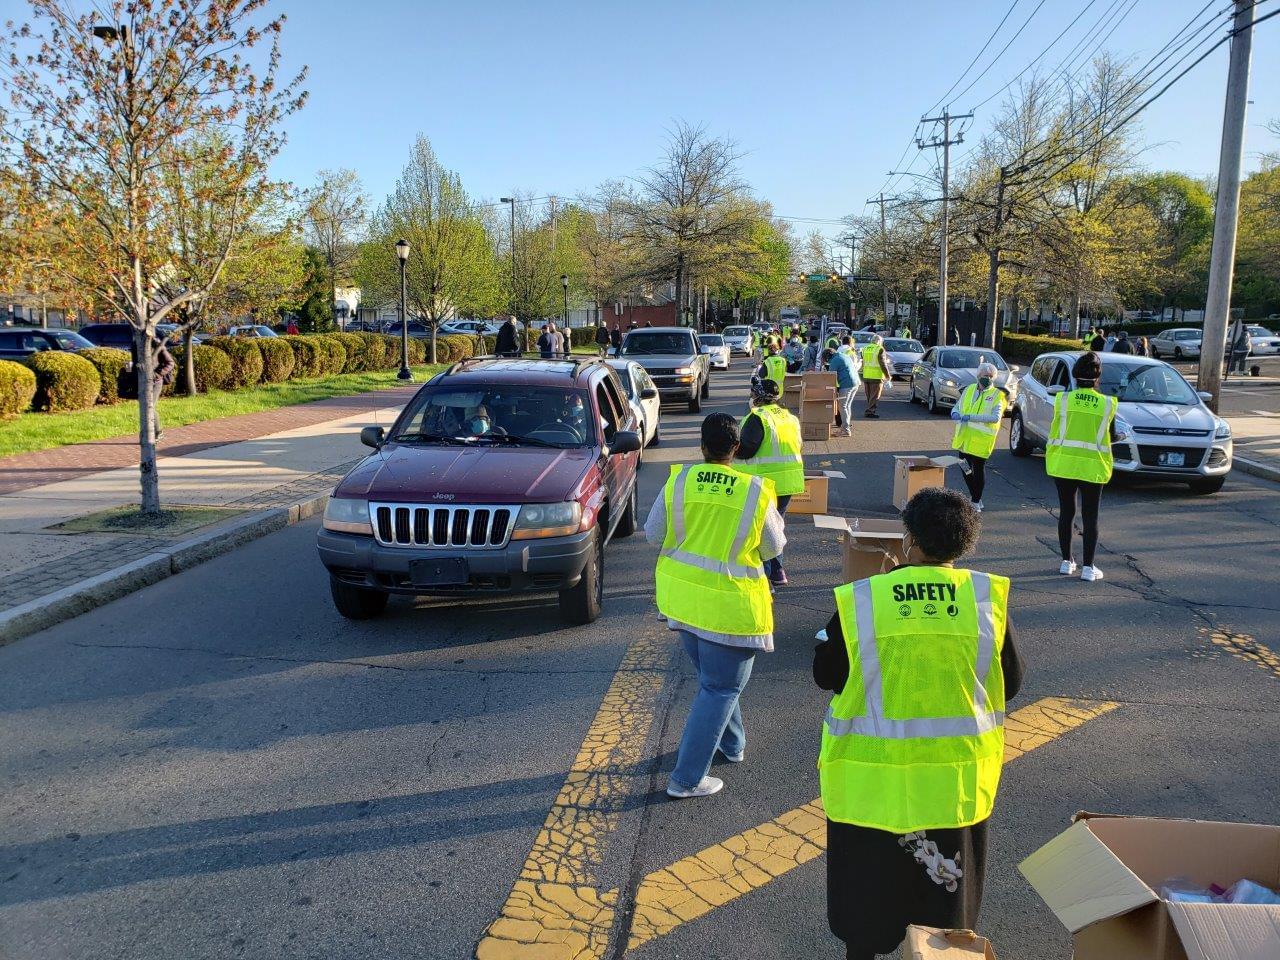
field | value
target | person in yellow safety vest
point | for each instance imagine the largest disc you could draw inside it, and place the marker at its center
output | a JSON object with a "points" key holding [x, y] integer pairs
{"points": [[774, 367], [877, 373], [977, 414], [921, 662], [769, 446], [716, 525], [1078, 457]]}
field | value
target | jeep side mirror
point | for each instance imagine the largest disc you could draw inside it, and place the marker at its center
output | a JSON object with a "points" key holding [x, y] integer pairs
{"points": [[624, 441], [648, 393], [373, 437]]}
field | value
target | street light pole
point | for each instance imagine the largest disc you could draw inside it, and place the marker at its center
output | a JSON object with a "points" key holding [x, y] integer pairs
{"points": [[402, 254], [564, 282]]}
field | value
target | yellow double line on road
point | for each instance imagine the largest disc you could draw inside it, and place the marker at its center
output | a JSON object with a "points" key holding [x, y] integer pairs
{"points": [[556, 910]]}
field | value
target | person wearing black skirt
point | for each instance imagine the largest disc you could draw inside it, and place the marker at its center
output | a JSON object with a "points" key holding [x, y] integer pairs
{"points": [[880, 881]]}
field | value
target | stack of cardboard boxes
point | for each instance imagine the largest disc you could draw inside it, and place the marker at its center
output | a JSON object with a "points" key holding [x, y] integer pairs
{"points": [[817, 405], [791, 388]]}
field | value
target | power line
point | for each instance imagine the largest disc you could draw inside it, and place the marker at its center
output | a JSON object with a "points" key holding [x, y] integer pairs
{"points": [[1038, 56], [976, 56], [1002, 51]]}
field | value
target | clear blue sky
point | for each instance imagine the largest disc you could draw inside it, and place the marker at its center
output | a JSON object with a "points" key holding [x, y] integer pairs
{"points": [[554, 96]]}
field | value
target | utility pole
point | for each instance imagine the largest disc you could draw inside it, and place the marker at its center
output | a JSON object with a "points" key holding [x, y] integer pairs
{"points": [[993, 272], [1226, 210], [946, 143], [884, 239]]}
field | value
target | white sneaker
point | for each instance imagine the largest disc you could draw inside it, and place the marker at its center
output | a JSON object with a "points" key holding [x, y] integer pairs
{"points": [[733, 757], [705, 788], [1068, 568], [977, 505], [1091, 574]]}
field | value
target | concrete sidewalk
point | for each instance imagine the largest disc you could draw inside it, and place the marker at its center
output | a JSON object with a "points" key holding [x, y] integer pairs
{"points": [[273, 479]]}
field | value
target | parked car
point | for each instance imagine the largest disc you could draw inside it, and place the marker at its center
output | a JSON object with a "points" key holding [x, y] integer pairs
{"points": [[19, 342], [903, 353], [252, 330], [643, 395], [1177, 343], [499, 476], [118, 335], [416, 329], [1263, 342], [673, 359], [1163, 427], [717, 351], [467, 328], [940, 376], [739, 339]]}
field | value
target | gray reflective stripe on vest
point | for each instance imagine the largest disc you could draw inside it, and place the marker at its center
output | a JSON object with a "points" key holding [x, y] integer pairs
{"points": [[792, 458], [711, 564], [873, 722]]}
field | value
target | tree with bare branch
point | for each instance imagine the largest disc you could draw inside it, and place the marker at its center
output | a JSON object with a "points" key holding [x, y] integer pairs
{"points": [[336, 213]]}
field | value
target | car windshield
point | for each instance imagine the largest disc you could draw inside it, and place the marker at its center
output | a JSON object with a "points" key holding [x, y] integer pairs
{"points": [[969, 360], [712, 340], [499, 413], [657, 344], [1186, 335], [898, 345], [1146, 383], [69, 340], [737, 331], [1260, 332], [863, 337]]}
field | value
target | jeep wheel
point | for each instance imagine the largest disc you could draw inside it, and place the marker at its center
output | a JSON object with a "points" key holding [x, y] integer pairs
{"points": [[356, 603], [1207, 485], [627, 525], [1019, 445], [706, 387], [695, 403], [582, 602]]}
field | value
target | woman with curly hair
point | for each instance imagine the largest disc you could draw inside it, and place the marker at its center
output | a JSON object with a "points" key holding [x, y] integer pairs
{"points": [[920, 661]]}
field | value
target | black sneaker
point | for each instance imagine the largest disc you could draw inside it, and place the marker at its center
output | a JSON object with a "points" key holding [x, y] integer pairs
{"points": [[872, 416]]}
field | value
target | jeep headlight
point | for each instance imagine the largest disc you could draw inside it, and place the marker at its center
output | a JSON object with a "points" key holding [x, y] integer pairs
{"points": [[684, 371], [1222, 429], [348, 516], [547, 520]]}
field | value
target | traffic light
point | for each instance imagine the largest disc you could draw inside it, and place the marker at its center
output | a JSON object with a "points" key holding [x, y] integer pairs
{"points": [[835, 278]]}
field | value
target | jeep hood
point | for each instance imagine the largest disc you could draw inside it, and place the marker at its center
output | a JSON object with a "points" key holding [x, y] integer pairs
{"points": [[447, 474], [662, 361]]}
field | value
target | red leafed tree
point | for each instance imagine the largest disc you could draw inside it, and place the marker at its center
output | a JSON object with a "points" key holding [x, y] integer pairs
{"points": [[105, 111]]}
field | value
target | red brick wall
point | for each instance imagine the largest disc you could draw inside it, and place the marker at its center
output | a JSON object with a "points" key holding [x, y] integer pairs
{"points": [[659, 316]]}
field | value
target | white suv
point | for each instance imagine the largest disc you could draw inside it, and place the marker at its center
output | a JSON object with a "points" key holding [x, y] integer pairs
{"points": [[1163, 428], [1178, 344]]}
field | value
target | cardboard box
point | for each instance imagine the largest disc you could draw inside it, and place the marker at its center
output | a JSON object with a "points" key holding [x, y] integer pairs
{"points": [[930, 943], [1101, 877], [871, 545], [815, 431], [816, 379], [817, 412], [791, 393], [913, 474], [816, 493]]}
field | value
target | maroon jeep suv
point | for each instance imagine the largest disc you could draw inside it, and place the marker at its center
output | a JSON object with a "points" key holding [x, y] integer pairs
{"points": [[500, 475]]}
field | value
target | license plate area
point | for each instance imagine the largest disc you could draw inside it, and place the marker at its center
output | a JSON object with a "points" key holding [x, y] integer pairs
{"points": [[439, 572], [1171, 459]]}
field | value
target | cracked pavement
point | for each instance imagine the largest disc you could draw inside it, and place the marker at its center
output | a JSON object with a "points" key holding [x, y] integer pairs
{"points": [[219, 766]]}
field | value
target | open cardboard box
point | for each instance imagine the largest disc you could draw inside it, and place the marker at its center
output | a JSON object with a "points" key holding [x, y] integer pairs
{"points": [[913, 474], [930, 943], [1100, 877], [816, 491], [871, 545], [815, 431], [816, 378]]}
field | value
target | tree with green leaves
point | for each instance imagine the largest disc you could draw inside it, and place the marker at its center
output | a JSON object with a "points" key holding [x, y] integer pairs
{"points": [[335, 216]]}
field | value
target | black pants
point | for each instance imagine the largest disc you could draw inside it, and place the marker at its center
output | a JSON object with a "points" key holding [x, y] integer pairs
{"points": [[1090, 496], [976, 478]]}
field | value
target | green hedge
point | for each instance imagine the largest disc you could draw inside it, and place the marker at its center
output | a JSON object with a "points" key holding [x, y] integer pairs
{"points": [[246, 360], [309, 356], [1022, 348], [377, 350], [356, 359], [64, 381], [17, 388], [212, 367], [333, 353], [110, 364], [277, 359]]}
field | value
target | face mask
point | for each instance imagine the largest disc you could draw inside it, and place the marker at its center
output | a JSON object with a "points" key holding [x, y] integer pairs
{"points": [[479, 426], [984, 382]]}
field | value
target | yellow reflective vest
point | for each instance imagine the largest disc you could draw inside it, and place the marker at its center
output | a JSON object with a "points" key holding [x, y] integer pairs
{"points": [[779, 457], [1079, 444], [871, 369], [775, 369], [976, 438], [709, 573], [915, 740]]}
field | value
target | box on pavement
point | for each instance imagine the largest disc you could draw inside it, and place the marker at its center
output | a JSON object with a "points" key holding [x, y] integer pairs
{"points": [[816, 492], [930, 943], [818, 405], [1101, 877], [815, 431], [913, 474], [871, 545]]}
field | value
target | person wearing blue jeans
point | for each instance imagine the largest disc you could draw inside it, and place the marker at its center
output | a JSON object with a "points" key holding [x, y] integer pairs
{"points": [[715, 719]]}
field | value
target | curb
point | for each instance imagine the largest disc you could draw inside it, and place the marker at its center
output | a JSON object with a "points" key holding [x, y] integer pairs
{"points": [[1256, 469], [44, 612]]}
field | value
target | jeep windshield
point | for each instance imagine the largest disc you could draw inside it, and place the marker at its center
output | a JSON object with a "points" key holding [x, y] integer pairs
{"points": [[506, 414], [1146, 383], [658, 344]]}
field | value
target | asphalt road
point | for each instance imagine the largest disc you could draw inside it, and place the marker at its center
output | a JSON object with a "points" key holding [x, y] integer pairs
{"points": [[220, 766]]}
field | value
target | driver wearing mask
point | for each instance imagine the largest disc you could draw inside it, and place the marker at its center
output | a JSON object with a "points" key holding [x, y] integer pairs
{"points": [[478, 422], [574, 414]]}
